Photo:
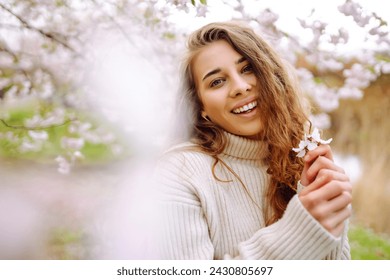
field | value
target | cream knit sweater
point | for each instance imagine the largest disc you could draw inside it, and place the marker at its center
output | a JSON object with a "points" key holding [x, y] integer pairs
{"points": [[204, 218]]}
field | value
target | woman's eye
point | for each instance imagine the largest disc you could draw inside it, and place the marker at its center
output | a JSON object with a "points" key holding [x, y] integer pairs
{"points": [[247, 68], [216, 82]]}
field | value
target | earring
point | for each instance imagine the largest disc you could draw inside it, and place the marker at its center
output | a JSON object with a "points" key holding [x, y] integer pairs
{"points": [[204, 115]]}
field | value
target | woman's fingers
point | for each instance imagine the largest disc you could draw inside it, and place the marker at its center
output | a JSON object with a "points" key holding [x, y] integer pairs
{"points": [[324, 176], [328, 198], [321, 150], [328, 192], [321, 163], [317, 159], [336, 197], [329, 204], [335, 223], [313, 169]]}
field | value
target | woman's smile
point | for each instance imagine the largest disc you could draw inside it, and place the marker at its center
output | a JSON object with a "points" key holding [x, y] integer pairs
{"points": [[247, 108]]}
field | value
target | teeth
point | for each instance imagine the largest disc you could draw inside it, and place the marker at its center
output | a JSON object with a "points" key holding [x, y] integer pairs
{"points": [[245, 108]]}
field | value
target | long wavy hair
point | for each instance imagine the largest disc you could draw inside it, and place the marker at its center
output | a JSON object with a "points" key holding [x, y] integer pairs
{"points": [[283, 113]]}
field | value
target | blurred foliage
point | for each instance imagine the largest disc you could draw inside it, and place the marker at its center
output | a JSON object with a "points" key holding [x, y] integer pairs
{"points": [[361, 128], [66, 244], [92, 152], [366, 245]]}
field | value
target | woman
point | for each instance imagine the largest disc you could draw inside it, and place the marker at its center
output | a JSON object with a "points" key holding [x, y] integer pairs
{"points": [[231, 190]]}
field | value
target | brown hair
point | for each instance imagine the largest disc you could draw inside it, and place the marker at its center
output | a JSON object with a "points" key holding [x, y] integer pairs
{"points": [[283, 114]]}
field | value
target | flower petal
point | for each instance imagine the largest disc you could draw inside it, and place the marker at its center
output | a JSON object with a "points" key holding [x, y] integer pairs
{"points": [[312, 145], [301, 153], [325, 142], [297, 150], [316, 135]]}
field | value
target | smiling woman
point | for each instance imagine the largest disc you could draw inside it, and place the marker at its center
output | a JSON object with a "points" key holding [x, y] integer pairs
{"points": [[228, 92], [230, 191]]}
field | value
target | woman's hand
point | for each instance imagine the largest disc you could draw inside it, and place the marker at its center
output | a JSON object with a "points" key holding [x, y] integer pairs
{"points": [[328, 192]]}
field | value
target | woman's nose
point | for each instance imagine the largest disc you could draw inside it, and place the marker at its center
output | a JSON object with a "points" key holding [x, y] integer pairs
{"points": [[240, 86]]}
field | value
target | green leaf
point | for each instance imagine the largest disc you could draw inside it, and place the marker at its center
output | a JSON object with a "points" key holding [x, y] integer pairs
{"points": [[60, 3], [193, 2], [204, 2], [169, 35], [318, 80]]}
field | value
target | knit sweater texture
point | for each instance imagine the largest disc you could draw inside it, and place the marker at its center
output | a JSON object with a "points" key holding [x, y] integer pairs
{"points": [[214, 217]]}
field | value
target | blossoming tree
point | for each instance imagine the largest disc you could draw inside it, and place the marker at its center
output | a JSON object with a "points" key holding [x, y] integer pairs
{"points": [[46, 45]]}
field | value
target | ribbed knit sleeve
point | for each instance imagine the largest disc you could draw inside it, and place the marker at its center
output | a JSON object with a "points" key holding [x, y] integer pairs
{"points": [[297, 235]]}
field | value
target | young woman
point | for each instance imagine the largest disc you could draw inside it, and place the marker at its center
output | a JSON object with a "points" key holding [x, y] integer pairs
{"points": [[231, 190]]}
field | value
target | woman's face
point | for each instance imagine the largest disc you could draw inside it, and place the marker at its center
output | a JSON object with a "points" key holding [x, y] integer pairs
{"points": [[228, 89]]}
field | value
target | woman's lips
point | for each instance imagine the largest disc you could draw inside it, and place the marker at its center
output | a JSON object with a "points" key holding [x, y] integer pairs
{"points": [[245, 108]]}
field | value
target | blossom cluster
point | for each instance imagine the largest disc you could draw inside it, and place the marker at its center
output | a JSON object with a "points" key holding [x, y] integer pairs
{"points": [[310, 142]]}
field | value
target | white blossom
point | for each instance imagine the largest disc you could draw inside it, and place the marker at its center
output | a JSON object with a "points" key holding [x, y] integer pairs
{"points": [[79, 127], [38, 135], [304, 74], [321, 120], [330, 64], [11, 137], [72, 143], [382, 67], [362, 20], [30, 146], [267, 17], [349, 8], [92, 137], [54, 117], [378, 30], [64, 165], [326, 98], [201, 10], [344, 35], [4, 82], [77, 155], [341, 37], [316, 138], [310, 142], [358, 76], [386, 68], [350, 93], [33, 122]]}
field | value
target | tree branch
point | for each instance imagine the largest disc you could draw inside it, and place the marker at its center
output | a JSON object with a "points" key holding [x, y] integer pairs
{"points": [[35, 128], [48, 35]]}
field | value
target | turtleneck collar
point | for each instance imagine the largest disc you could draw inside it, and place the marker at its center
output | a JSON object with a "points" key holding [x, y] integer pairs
{"points": [[244, 148]]}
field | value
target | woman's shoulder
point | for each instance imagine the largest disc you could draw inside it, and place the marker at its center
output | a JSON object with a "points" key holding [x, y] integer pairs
{"points": [[184, 154], [182, 148], [182, 164]]}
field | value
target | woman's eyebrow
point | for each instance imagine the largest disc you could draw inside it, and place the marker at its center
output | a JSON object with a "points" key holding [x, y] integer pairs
{"points": [[215, 71], [212, 72], [240, 60]]}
